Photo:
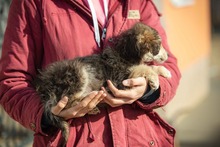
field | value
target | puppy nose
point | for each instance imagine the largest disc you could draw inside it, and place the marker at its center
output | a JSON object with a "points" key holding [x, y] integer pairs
{"points": [[166, 55], [164, 58]]}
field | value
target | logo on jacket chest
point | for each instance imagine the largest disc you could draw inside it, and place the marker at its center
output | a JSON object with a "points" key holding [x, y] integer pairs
{"points": [[133, 14]]}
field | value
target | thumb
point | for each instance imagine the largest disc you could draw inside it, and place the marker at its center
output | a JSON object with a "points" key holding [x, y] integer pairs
{"points": [[60, 106], [133, 81]]}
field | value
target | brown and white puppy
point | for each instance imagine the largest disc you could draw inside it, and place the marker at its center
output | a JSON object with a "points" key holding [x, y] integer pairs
{"points": [[76, 78]]}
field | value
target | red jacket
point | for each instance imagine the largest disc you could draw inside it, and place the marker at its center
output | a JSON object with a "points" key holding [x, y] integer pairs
{"points": [[43, 31]]}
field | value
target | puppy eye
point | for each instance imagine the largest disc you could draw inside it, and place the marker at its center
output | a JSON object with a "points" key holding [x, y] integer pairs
{"points": [[155, 50]]}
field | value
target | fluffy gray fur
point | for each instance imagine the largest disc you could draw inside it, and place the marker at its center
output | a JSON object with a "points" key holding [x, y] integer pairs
{"points": [[76, 78]]}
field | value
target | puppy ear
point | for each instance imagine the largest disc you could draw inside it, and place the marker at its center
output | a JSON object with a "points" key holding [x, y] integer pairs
{"points": [[127, 46], [148, 39]]}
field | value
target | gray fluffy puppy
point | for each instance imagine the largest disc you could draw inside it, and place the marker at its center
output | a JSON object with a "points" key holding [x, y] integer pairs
{"points": [[76, 78]]}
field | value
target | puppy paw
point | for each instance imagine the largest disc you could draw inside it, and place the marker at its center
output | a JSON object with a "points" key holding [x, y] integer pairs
{"points": [[153, 82], [164, 72], [140, 71]]}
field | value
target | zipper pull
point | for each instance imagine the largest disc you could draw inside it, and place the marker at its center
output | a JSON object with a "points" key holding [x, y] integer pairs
{"points": [[104, 33]]}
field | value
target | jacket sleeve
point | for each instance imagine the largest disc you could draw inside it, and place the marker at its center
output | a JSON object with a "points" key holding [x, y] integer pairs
{"points": [[20, 50], [168, 87]]}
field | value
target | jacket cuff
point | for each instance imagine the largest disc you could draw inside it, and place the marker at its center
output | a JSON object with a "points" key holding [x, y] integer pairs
{"points": [[150, 95], [36, 125], [45, 122], [47, 126], [39, 124], [156, 99]]}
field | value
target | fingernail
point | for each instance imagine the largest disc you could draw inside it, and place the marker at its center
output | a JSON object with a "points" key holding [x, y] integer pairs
{"points": [[65, 98], [125, 82], [103, 88], [95, 92], [104, 94]]}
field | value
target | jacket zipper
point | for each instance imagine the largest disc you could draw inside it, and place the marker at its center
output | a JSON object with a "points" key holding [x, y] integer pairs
{"points": [[86, 12]]}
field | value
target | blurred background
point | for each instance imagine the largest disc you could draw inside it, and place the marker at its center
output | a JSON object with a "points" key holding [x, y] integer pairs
{"points": [[193, 30]]}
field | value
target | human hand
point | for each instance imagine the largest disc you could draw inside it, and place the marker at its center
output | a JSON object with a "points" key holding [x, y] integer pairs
{"points": [[137, 88], [86, 105]]}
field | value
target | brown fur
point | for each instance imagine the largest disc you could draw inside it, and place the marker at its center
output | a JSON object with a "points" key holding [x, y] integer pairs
{"points": [[78, 77]]}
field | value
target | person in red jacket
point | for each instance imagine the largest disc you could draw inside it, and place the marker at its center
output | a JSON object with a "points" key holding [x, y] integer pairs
{"points": [[40, 32]]}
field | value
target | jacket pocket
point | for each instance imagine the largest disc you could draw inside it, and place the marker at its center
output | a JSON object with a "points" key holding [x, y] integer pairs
{"points": [[47, 141], [167, 131]]}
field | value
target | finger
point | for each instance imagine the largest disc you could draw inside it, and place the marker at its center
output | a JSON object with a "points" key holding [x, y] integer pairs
{"points": [[60, 106], [127, 96], [85, 101], [108, 95], [114, 102], [116, 92], [92, 104], [82, 108], [134, 82], [71, 112], [101, 98]]}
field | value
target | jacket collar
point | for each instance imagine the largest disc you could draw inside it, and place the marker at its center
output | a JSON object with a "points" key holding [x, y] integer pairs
{"points": [[113, 4]]}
